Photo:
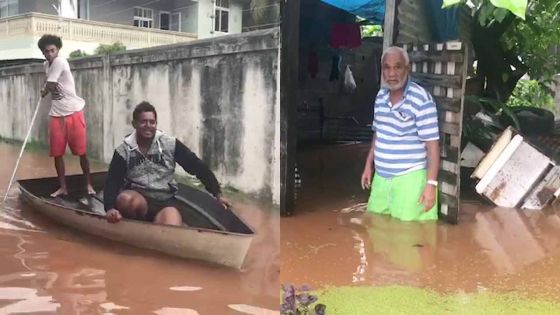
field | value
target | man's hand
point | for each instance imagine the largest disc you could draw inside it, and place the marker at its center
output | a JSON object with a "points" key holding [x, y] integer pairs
{"points": [[44, 92], [113, 216], [366, 177], [428, 197], [224, 202]]}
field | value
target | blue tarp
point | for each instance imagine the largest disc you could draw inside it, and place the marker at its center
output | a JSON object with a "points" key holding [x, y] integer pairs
{"points": [[372, 10], [444, 23]]}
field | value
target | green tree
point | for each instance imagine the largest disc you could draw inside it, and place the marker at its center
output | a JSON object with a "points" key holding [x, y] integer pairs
{"points": [[372, 30], [77, 54], [530, 93], [105, 49], [512, 38]]}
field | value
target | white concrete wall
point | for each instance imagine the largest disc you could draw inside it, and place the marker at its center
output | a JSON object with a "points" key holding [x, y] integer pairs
{"points": [[220, 97]]}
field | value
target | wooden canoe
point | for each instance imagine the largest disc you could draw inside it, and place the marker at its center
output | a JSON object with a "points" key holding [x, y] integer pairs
{"points": [[213, 234]]}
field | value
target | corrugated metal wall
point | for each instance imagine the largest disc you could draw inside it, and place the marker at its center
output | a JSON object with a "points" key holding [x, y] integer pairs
{"points": [[414, 26]]}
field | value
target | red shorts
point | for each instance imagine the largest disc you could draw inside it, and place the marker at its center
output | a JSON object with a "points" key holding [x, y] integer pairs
{"points": [[69, 130]]}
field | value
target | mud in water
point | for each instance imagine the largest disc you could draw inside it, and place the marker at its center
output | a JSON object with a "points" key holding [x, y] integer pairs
{"points": [[331, 242], [48, 269]]}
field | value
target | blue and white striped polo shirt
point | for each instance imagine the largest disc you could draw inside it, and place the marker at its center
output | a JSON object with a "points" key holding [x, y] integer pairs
{"points": [[401, 130]]}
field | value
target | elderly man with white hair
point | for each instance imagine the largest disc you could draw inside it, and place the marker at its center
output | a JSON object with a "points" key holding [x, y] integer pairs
{"points": [[405, 145]]}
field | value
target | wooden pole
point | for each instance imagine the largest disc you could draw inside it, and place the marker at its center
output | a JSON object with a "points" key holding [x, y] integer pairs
{"points": [[389, 25], [289, 91]]}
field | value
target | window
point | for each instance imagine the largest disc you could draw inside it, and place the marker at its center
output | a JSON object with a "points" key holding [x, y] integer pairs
{"points": [[170, 22], [143, 17], [9, 8], [221, 16], [164, 21]]}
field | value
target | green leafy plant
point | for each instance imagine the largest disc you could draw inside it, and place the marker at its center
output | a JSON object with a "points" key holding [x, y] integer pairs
{"points": [[105, 49], [531, 93], [78, 54], [369, 29], [512, 38], [497, 8]]}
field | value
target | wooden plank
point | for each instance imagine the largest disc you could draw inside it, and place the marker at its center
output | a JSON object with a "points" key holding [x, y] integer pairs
{"points": [[441, 116], [447, 177], [448, 199], [434, 55], [455, 141], [450, 104], [449, 81], [447, 188], [389, 25], [450, 166], [451, 117], [544, 191], [450, 128], [451, 213], [452, 154], [517, 177], [454, 45]]}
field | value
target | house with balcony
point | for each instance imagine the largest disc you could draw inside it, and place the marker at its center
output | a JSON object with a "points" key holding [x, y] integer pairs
{"points": [[84, 24]]}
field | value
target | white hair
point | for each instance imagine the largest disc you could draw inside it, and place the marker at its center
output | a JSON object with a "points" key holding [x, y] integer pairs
{"points": [[398, 49]]}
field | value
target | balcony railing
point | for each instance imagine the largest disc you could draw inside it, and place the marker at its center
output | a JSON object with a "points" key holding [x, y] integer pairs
{"points": [[38, 24]]}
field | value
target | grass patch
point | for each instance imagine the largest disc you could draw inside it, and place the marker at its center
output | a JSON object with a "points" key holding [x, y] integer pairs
{"points": [[407, 300]]}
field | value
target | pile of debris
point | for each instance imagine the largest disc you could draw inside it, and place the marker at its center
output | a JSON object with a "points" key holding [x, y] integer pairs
{"points": [[515, 173]]}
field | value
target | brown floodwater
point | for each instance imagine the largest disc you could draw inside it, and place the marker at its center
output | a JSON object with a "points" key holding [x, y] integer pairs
{"points": [[48, 269], [331, 242]]}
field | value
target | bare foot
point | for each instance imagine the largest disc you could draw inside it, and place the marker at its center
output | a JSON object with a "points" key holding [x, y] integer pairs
{"points": [[60, 192], [90, 190]]}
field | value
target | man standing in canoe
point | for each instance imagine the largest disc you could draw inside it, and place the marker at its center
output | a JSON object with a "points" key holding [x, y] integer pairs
{"points": [[67, 124], [140, 183]]}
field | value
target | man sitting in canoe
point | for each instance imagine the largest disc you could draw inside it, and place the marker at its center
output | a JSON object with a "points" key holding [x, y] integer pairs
{"points": [[140, 183]]}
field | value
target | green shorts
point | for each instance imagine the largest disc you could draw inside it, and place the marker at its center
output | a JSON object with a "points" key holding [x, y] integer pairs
{"points": [[399, 197]]}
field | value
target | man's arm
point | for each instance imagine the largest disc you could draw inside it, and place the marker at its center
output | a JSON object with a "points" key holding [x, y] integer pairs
{"points": [[428, 197], [114, 181], [370, 156], [428, 131], [54, 73], [368, 167], [192, 164], [432, 148]]}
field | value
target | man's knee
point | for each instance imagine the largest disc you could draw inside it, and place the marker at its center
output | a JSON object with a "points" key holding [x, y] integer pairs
{"points": [[124, 200], [169, 215], [129, 203]]}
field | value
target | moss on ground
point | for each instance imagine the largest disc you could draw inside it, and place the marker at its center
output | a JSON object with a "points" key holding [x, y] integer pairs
{"points": [[407, 300]]}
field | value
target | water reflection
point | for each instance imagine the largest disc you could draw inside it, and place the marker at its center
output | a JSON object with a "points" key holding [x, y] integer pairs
{"points": [[491, 248], [25, 301]]}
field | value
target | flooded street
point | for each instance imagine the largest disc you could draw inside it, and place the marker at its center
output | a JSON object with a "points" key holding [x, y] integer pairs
{"points": [[330, 242], [48, 269]]}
